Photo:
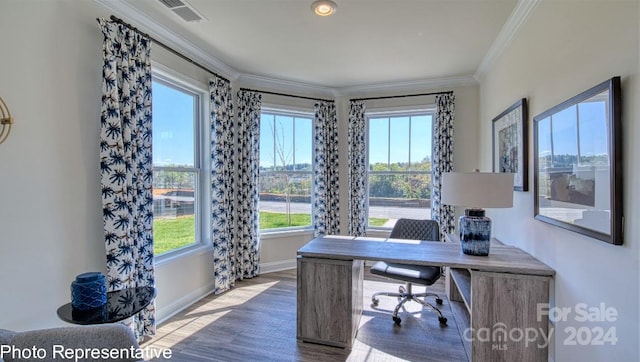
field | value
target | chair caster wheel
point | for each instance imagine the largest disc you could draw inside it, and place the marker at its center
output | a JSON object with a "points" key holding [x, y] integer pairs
{"points": [[397, 321], [442, 320], [439, 301]]}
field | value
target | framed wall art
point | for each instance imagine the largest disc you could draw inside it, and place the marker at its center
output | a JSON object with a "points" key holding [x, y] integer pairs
{"points": [[510, 144], [577, 164]]}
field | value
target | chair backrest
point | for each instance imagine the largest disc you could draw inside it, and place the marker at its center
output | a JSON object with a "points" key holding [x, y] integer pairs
{"points": [[416, 229]]}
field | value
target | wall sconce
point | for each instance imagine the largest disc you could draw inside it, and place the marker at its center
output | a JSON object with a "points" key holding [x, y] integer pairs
{"points": [[5, 120]]}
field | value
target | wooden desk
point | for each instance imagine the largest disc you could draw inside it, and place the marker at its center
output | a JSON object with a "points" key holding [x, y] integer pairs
{"points": [[501, 290]]}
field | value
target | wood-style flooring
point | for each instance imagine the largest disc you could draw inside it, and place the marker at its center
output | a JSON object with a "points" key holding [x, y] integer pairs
{"points": [[256, 321]]}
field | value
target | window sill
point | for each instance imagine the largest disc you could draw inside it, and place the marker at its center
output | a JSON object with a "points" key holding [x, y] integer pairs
{"points": [[378, 232], [266, 235], [180, 254]]}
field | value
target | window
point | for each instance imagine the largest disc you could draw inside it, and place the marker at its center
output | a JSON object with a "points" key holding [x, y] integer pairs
{"points": [[176, 165], [286, 140], [399, 174]]}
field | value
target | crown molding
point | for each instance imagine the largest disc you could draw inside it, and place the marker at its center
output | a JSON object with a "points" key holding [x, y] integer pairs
{"points": [[518, 17], [124, 10], [285, 86], [408, 86], [142, 21]]}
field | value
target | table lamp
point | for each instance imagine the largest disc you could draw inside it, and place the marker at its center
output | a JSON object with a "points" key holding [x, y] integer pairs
{"points": [[476, 190]]}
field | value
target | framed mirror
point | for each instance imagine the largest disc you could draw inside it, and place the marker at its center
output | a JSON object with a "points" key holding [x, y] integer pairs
{"points": [[577, 164]]}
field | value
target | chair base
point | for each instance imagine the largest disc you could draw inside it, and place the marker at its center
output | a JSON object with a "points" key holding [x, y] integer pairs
{"points": [[404, 295]]}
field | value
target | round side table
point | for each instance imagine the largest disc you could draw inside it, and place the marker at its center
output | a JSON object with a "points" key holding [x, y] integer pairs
{"points": [[121, 304]]}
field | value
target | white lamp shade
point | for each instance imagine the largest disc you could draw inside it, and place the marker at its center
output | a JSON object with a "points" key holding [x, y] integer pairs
{"points": [[477, 189]]}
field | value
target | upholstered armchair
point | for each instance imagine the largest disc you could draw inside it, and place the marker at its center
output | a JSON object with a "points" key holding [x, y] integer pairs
{"points": [[14, 345]]}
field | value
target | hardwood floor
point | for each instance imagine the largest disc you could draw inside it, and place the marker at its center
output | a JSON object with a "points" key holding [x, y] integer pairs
{"points": [[256, 321]]}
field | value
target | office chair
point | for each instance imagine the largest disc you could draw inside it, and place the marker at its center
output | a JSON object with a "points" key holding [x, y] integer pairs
{"points": [[418, 274]]}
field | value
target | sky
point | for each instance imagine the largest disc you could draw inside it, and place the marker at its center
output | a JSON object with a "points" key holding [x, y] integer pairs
{"points": [[173, 122], [292, 140], [394, 132], [592, 136]]}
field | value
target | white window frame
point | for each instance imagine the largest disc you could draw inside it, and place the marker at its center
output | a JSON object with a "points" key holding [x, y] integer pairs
{"points": [[201, 168], [393, 112], [296, 112]]}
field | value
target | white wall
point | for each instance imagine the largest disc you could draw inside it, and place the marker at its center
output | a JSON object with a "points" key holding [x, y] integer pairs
{"points": [[50, 208], [565, 48]]}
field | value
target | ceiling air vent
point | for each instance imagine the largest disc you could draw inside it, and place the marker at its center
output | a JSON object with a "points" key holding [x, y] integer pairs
{"points": [[185, 11]]}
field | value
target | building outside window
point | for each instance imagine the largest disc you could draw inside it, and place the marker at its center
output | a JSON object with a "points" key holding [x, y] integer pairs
{"points": [[286, 156], [176, 165], [399, 172]]}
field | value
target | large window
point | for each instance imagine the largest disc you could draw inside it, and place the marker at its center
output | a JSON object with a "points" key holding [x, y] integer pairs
{"points": [[176, 166], [399, 174], [285, 169]]}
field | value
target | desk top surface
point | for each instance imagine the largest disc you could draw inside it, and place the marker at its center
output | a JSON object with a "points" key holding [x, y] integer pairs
{"points": [[502, 258]]}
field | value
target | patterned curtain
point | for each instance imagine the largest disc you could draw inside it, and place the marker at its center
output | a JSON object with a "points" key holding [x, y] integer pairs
{"points": [[357, 169], [126, 164], [326, 209], [222, 183], [248, 148], [442, 160]]}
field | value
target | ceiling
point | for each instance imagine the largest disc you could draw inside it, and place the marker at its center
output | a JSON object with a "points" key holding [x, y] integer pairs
{"points": [[366, 42]]}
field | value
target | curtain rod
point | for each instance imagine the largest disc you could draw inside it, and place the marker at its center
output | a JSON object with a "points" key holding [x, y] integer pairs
{"points": [[401, 96], [120, 21], [287, 95]]}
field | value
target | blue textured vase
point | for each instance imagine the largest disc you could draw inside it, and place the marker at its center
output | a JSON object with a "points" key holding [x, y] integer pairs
{"points": [[89, 291], [475, 232]]}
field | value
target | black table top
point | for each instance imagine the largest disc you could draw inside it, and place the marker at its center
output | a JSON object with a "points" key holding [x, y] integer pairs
{"points": [[120, 305]]}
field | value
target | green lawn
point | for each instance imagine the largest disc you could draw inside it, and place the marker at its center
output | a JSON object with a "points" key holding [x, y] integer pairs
{"points": [[375, 221], [272, 220], [170, 234]]}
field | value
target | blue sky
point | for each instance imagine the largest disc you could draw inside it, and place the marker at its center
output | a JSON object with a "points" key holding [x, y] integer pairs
{"points": [[395, 132], [593, 131], [173, 121], [293, 140]]}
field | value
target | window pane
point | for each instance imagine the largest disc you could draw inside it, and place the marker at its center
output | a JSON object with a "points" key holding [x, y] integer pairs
{"points": [[399, 177], [392, 197], [304, 148], [421, 135], [174, 224], [284, 142], [379, 144], [285, 200], [399, 143], [267, 144], [174, 117]]}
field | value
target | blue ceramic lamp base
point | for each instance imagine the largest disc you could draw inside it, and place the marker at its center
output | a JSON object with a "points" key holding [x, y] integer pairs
{"points": [[89, 291], [475, 232]]}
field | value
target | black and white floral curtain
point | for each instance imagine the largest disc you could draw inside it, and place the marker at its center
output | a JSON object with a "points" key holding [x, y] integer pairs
{"points": [[248, 149], [357, 169], [442, 160], [223, 186], [126, 164], [326, 208]]}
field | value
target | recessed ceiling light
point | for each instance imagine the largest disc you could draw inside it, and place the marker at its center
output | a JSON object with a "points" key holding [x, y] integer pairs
{"points": [[324, 7]]}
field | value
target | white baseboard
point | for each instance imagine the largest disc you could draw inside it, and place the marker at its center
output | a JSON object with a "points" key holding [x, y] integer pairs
{"points": [[163, 314], [275, 266]]}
